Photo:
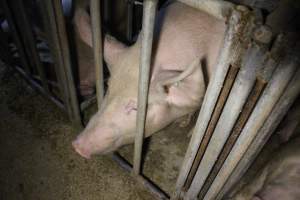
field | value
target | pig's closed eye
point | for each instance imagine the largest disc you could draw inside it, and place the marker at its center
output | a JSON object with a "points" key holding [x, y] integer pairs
{"points": [[131, 106]]}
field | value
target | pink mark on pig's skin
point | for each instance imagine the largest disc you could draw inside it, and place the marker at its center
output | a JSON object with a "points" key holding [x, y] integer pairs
{"points": [[130, 107]]}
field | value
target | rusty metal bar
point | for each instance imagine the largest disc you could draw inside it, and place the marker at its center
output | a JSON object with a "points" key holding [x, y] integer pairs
{"points": [[229, 80], [230, 54], [97, 49], [144, 76], [217, 8], [16, 36], [242, 87], [282, 106], [30, 42], [263, 108], [241, 121]]}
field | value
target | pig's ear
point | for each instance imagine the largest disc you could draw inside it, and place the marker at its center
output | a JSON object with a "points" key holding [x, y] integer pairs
{"points": [[185, 88], [112, 48], [83, 26]]}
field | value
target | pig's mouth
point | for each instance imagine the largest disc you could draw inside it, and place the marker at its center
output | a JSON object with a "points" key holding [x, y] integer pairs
{"points": [[80, 150]]}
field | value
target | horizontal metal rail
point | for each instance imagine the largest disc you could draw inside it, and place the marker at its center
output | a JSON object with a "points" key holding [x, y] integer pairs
{"points": [[155, 190], [39, 88]]}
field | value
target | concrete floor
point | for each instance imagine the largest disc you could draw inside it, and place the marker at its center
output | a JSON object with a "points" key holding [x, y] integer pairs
{"points": [[38, 162]]}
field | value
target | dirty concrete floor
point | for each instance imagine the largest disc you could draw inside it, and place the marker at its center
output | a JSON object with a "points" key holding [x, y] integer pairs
{"points": [[37, 161]]}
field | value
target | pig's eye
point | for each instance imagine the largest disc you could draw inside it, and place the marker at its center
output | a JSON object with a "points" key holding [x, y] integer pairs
{"points": [[130, 106]]}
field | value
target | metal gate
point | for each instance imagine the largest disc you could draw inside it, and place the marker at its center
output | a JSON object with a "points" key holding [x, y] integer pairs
{"points": [[255, 82]]}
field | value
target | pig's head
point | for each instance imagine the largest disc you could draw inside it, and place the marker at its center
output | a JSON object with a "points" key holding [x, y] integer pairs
{"points": [[172, 94]]}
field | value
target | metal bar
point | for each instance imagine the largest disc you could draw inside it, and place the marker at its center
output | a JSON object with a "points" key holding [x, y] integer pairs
{"points": [[230, 53], [241, 121], [242, 87], [156, 191], [229, 80], [217, 8], [97, 49], [60, 49], [39, 88], [144, 76], [129, 20], [16, 36], [67, 67], [284, 103], [84, 105], [30, 42], [49, 20], [264, 106]]}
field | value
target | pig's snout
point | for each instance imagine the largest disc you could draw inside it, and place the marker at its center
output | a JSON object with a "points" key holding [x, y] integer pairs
{"points": [[81, 151], [96, 140]]}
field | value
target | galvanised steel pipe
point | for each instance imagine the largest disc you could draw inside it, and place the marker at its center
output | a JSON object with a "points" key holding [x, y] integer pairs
{"points": [[277, 114], [97, 49], [144, 76], [270, 96], [242, 87], [229, 54]]}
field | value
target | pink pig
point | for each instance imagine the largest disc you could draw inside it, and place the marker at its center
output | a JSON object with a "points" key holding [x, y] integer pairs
{"points": [[185, 50]]}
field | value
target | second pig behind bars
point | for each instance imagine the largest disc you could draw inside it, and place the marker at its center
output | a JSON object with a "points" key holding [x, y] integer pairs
{"points": [[185, 49]]}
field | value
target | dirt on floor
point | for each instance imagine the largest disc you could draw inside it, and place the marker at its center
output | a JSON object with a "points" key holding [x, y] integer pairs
{"points": [[38, 162]]}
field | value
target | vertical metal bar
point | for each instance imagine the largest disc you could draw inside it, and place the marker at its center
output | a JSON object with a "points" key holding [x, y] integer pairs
{"points": [[16, 36], [271, 94], [284, 103], [241, 121], [60, 49], [49, 24], [67, 67], [97, 48], [229, 54], [30, 41], [229, 80], [129, 20], [144, 76], [242, 87]]}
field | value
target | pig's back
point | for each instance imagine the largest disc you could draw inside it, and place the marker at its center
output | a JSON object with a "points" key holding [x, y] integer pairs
{"points": [[187, 34]]}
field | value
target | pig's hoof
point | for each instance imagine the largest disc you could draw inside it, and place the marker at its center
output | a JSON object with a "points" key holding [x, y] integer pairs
{"points": [[80, 151]]}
